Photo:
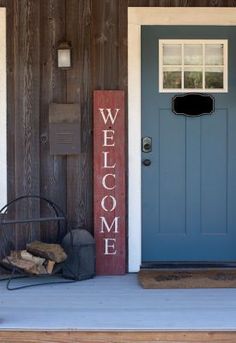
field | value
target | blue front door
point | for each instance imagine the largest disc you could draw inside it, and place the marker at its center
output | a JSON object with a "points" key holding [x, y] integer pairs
{"points": [[189, 176]]}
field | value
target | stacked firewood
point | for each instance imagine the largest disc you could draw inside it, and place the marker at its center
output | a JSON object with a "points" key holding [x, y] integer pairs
{"points": [[38, 258]]}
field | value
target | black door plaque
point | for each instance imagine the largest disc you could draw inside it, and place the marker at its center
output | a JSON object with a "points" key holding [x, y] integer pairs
{"points": [[193, 104]]}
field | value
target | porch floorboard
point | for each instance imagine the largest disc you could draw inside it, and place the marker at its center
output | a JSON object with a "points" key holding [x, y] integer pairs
{"points": [[116, 303]]}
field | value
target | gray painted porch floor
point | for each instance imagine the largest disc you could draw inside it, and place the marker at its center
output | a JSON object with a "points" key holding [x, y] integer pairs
{"points": [[116, 303]]}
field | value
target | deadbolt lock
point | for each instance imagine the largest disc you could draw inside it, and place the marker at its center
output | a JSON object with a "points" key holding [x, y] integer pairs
{"points": [[146, 144]]}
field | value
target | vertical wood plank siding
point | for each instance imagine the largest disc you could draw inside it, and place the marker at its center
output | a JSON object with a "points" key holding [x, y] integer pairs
{"points": [[98, 33], [52, 89], [79, 168], [27, 101]]}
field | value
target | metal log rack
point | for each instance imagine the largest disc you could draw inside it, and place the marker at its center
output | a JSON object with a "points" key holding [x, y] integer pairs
{"points": [[59, 217]]}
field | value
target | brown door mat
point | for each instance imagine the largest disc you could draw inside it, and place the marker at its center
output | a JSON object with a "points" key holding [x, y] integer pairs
{"points": [[217, 278]]}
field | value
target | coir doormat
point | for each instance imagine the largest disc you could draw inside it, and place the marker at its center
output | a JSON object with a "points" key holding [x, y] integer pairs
{"points": [[217, 278]]}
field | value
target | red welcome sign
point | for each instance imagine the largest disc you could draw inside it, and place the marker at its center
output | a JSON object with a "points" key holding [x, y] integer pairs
{"points": [[109, 182]]}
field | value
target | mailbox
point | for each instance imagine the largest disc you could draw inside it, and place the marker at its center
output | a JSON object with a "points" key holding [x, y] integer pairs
{"points": [[64, 129]]}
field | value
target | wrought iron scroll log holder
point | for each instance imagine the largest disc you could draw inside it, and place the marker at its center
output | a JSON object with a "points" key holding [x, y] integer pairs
{"points": [[59, 217]]}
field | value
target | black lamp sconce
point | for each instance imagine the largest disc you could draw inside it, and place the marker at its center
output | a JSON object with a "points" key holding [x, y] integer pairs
{"points": [[64, 55]]}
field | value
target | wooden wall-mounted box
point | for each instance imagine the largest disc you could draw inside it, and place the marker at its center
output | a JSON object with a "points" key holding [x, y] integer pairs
{"points": [[64, 129]]}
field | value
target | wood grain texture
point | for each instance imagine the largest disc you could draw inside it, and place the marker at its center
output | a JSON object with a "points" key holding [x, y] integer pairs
{"points": [[53, 169], [109, 215], [98, 33], [115, 303], [85, 49], [11, 95], [11, 56], [115, 337], [27, 86], [75, 205], [79, 168], [182, 3], [106, 44]]}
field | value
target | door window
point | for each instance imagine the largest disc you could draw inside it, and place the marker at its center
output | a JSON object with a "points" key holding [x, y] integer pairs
{"points": [[193, 65]]}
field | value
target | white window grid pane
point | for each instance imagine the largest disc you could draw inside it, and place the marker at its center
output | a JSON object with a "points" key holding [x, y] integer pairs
{"points": [[216, 48], [193, 57], [167, 59], [183, 43]]}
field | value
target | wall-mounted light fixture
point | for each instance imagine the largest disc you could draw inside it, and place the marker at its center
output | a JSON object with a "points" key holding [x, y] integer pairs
{"points": [[64, 55]]}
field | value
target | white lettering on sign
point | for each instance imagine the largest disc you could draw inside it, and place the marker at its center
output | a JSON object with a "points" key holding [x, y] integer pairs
{"points": [[104, 181], [109, 246], [108, 137], [105, 160], [109, 115], [109, 202], [105, 225], [105, 203]]}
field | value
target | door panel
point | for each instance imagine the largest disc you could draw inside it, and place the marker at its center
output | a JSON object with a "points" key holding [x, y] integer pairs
{"points": [[172, 168], [214, 173], [189, 190]]}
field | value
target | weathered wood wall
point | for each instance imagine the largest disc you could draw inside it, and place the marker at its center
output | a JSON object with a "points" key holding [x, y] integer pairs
{"points": [[97, 30]]}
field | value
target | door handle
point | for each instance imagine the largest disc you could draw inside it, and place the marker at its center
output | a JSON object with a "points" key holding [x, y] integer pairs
{"points": [[147, 162]]}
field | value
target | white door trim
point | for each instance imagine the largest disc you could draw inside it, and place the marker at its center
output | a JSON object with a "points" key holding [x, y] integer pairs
{"points": [[138, 16], [3, 109]]}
